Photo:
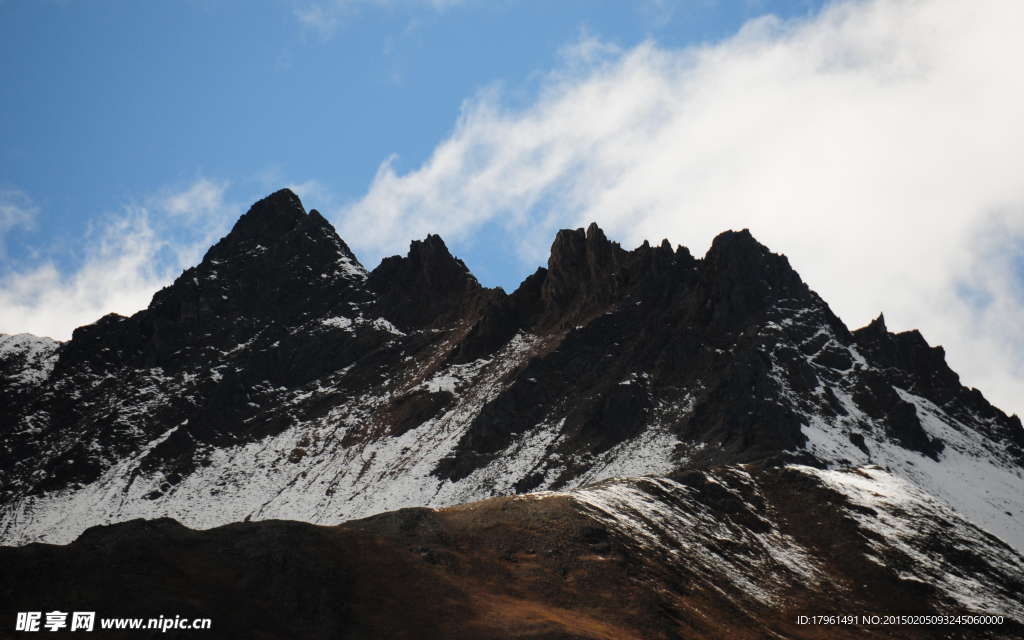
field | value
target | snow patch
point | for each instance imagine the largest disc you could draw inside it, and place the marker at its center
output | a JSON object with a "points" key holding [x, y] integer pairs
{"points": [[33, 358]]}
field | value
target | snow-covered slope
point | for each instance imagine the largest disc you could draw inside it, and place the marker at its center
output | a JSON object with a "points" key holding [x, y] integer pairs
{"points": [[732, 531], [973, 474]]}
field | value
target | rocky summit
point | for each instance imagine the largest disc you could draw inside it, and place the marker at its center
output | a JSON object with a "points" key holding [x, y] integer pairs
{"points": [[705, 427]]}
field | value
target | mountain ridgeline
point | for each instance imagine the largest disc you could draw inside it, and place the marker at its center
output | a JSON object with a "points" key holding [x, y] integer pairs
{"points": [[281, 379]]}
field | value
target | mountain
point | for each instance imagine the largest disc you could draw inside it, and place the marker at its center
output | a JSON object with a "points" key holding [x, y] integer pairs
{"points": [[281, 380]]}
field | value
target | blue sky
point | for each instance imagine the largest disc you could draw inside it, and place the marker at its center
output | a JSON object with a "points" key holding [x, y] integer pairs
{"points": [[877, 143], [111, 102]]}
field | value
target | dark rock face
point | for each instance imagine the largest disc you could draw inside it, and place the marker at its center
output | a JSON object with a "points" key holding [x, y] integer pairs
{"points": [[412, 410], [652, 310], [427, 287], [278, 362]]}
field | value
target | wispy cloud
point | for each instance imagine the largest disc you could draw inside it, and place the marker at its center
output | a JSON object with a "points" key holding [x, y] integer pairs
{"points": [[878, 144], [324, 17], [315, 18], [312, 191], [16, 210], [129, 256]]}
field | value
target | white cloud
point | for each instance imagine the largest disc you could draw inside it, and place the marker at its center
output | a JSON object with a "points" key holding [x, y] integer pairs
{"points": [[128, 258], [878, 144], [16, 209], [201, 201]]}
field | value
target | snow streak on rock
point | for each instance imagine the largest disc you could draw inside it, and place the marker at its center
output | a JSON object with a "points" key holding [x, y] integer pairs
{"points": [[721, 528], [673, 523], [923, 532]]}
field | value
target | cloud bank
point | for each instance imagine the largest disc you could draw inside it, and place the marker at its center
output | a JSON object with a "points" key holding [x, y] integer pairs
{"points": [[129, 257], [878, 144]]}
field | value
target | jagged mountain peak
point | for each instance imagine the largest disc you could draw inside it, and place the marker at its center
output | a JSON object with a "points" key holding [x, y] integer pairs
{"points": [[740, 255], [270, 218], [277, 269], [275, 256], [576, 250], [429, 263], [588, 274], [426, 286], [878, 325], [745, 276], [577, 258], [279, 226]]}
